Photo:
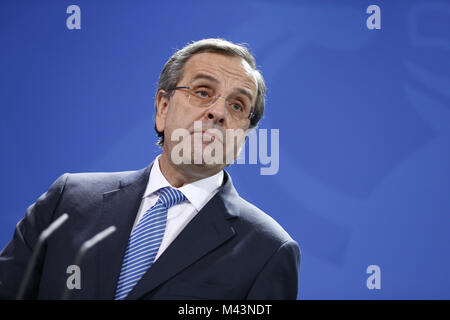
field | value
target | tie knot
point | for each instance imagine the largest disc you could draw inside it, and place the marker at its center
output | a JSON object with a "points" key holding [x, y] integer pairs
{"points": [[169, 196]]}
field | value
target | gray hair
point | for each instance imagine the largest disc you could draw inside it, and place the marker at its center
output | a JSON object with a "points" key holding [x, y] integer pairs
{"points": [[173, 72]]}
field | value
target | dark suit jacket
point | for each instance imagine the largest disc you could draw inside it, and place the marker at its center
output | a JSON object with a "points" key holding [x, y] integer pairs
{"points": [[230, 250]]}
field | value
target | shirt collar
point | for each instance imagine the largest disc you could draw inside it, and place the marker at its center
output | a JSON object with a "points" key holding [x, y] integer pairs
{"points": [[197, 192]]}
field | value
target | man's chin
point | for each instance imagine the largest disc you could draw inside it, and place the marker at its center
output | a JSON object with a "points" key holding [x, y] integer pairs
{"points": [[204, 161], [207, 158], [201, 170]]}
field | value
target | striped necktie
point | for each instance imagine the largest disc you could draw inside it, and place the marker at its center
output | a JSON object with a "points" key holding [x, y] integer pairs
{"points": [[145, 240]]}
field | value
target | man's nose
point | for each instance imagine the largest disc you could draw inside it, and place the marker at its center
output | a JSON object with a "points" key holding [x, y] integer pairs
{"points": [[217, 110]]}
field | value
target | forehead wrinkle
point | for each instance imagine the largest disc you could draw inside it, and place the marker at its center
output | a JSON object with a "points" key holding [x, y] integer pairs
{"points": [[202, 75]]}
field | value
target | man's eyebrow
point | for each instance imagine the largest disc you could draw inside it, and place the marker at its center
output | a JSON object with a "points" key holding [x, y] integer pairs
{"points": [[246, 93], [206, 76]]}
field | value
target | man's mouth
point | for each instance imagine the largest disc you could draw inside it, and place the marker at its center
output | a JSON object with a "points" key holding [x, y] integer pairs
{"points": [[208, 136], [207, 133]]}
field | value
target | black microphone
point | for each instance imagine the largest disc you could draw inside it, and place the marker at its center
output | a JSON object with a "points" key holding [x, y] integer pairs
{"points": [[37, 248], [85, 247]]}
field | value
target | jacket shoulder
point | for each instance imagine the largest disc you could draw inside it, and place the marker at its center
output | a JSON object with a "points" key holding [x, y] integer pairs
{"points": [[261, 224], [98, 181]]}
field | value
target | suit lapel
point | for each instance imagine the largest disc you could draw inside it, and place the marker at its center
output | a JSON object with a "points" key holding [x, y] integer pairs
{"points": [[208, 230], [119, 209]]}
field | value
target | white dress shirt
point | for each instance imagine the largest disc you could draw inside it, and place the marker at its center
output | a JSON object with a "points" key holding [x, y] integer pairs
{"points": [[197, 193]]}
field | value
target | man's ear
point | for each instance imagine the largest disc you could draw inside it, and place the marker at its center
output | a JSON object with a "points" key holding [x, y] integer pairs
{"points": [[162, 106]]}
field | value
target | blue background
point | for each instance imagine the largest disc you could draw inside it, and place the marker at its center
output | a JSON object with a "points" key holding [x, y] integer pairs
{"points": [[364, 120]]}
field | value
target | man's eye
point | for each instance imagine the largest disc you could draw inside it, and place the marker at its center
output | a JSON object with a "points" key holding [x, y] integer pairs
{"points": [[237, 107], [202, 93]]}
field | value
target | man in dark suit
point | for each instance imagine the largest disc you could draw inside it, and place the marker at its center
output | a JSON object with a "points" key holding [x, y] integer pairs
{"points": [[183, 232]]}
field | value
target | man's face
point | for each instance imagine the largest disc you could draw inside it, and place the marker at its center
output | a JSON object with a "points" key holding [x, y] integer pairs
{"points": [[228, 76]]}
